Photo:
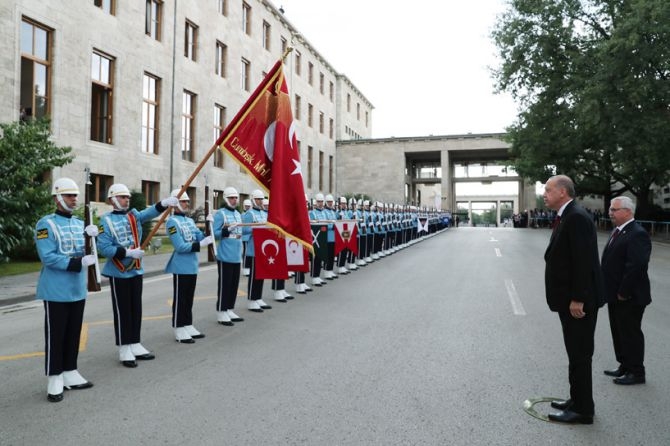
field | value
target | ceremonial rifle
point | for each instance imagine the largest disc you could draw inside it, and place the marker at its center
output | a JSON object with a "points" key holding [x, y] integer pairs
{"points": [[209, 226], [94, 279]]}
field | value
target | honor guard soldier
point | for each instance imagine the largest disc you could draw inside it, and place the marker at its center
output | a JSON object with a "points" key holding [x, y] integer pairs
{"points": [[120, 241], [187, 240], [369, 228], [330, 214], [245, 242], [59, 238], [228, 256], [316, 216], [300, 286], [342, 213], [255, 286], [278, 286]]}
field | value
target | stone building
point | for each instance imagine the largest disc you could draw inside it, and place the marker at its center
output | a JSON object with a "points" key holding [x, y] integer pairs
{"points": [[141, 89]]}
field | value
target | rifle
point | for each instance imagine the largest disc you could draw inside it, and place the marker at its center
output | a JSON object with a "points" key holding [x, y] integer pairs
{"points": [[209, 226], [94, 278]]}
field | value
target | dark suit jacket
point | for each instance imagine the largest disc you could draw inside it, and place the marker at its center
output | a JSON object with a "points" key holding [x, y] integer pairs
{"points": [[572, 266], [624, 265]]}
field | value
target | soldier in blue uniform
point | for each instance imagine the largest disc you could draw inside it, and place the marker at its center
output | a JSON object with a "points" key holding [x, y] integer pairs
{"points": [[255, 286], [186, 240], [59, 238], [228, 256], [317, 214], [342, 213], [120, 241], [246, 205], [330, 214]]}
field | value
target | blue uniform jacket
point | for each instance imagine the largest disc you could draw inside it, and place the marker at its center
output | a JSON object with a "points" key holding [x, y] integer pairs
{"points": [[185, 237], [229, 248], [253, 215], [116, 237], [59, 239]]}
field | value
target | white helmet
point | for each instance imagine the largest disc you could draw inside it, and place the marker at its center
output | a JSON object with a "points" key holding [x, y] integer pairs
{"points": [[184, 196], [343, 200], [118, 189], [257, 194], [366, 203], [64, 186], [318, 197], [246, 203], [230, 192], [330, 198], [266, 202]]}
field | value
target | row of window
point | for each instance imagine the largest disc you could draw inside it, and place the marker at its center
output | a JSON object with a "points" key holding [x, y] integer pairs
{"points": [[351, 133]]}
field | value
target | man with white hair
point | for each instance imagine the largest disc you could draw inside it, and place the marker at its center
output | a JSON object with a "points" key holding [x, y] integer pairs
{"points": [[624, 262]]}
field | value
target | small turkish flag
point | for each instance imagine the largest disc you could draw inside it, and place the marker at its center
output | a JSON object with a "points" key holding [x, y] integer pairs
{"points": [[297, 258], [270, 253]]}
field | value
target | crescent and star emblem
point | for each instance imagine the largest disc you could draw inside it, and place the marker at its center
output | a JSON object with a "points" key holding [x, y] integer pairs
{"points": [[275, 245]]}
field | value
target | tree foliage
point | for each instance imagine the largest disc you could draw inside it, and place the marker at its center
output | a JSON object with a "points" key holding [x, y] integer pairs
{"points": [[591, 77], [27, 155]]}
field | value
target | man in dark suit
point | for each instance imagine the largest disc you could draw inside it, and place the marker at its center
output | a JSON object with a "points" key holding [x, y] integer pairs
{"points": [[574, 289], [624, 264]]}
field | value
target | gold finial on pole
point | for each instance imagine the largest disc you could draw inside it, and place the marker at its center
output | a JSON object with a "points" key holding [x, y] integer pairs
{"points": [[286, 53]]}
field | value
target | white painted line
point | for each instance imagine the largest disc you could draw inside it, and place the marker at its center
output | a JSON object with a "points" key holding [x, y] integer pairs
{"points": [[498, 253], [492, 239], [517, 307]]}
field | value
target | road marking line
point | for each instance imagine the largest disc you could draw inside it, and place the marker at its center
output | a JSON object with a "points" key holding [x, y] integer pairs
{"points": [[517, 307], [498, 254]]}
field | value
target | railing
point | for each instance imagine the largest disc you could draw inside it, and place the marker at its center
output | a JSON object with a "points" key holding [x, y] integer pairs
{"points": [[657, 229]]}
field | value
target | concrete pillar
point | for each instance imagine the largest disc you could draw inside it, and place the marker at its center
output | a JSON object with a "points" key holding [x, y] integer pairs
{"points": [[497, 213]]}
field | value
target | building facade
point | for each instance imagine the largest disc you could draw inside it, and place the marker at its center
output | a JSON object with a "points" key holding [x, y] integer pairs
{"points": [[141, 89]]}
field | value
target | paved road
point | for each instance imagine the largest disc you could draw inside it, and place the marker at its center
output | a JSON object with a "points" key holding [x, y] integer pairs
{"points": [[439, 344]]}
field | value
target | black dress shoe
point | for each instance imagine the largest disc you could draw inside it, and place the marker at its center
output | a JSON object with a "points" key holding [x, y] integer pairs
{"points": [[288, 297], [146, 356], [256, 310], [237, 319], [131, 364], [629, 378], [568, 416], [619, 371], [300, 292], [198, 336], [86, 385], [276, 300], [186, 341], [268, 307], [226, 323], [561, 405], [55, 398]]}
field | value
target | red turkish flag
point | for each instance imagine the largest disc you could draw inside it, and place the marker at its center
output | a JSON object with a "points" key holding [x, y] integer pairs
{"points": [[270, 255], [345, 236], [262, 138]]}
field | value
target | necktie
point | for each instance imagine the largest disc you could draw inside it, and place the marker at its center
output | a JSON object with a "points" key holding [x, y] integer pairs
{"points": [[614, 235], [554, 224]]}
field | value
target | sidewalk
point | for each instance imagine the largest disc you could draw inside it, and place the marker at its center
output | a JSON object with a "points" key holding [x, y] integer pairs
{"points": [[21, 287]]}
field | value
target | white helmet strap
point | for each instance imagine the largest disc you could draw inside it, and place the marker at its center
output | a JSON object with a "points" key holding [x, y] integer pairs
{"points": [[59, 197], [117, 205]]}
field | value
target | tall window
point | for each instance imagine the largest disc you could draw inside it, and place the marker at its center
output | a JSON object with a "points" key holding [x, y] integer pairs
{"points": [[267, 35], [150, 95], [284, 44], [102, 86], [310, 73], [154, 11], [219, 125], [222, 6], [35, 70], [188, 126], [101, 184], [190, 41], [221, 56], [367, 119], [246, 18], [331, 91], [310, 161], [245, 73], [358, 111], [330, 173], [348, 102], [331, 128], [298, 107], [322, 83], [320, 170], [321, 122], [217, 198], [310, 113], [298, 62], [105, 5], [151, 191]]}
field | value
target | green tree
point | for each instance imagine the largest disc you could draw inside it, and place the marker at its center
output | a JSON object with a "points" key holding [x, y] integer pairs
{"points": [[591, 77], [27, 155], [139, 201]]}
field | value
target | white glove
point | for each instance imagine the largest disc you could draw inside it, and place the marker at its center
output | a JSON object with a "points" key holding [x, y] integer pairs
{"points": [[209, 217], [206, 241], [233, 225], [88, 260], [170, 201], [91, 230], [136, 253]]}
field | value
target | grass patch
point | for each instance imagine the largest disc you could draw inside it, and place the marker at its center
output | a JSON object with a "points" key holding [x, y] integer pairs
{"points": [[19, 267]]}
